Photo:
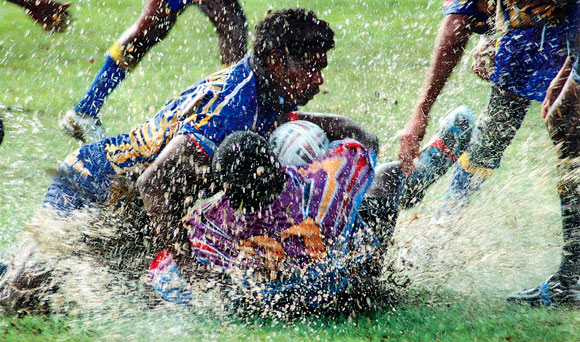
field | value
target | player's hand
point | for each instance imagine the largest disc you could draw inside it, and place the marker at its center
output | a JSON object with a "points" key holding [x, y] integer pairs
{"points": [[409, 150], [483, 57], [555, 88]]}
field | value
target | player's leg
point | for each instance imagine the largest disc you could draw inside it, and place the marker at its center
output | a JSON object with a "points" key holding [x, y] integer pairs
{"points": [[1, 130], [564, 127], [449, 142], [391, 191], [152, 26], [492, 134], [51, 15]]}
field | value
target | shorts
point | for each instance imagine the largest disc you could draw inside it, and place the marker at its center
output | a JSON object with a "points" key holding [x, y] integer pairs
{"points": [[313, 286], [527, 60]]}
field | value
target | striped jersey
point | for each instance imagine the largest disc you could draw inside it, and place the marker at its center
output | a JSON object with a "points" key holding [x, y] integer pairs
{"points": [[207, 112]]}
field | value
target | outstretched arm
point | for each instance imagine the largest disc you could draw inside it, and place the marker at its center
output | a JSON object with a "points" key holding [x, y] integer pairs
{"points": [[336, 127], [450, 44], [180, 171]]}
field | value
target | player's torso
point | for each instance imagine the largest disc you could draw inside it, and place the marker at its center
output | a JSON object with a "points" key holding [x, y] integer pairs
{"points": [[314, 213], [220, 104]]}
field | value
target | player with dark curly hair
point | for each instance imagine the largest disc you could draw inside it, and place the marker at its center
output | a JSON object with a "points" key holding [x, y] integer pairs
{"points": [[171, 153]]}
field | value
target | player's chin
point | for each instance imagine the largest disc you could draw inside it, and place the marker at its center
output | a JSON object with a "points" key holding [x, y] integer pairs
{"points": [[305, 97]]}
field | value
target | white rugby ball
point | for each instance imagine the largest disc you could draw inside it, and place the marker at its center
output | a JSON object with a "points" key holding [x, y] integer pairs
{"points": [[299, 143]]}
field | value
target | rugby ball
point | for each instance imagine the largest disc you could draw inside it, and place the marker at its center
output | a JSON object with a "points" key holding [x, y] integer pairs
{"points": [[298, 143]]}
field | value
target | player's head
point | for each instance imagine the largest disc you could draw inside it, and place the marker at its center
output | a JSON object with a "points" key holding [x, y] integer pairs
{"points": [[299, 143], [248, 169], [291, 45]]}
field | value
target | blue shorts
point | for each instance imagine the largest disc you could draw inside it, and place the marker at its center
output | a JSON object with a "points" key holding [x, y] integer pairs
{"points": [[83, 180], [528, 59]]}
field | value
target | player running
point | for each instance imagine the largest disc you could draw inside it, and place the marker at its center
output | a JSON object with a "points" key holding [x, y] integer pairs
{"points": [[529, 54]]}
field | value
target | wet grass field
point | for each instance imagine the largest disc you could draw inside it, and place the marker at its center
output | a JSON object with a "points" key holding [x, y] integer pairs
{"points": [[508, 239]]}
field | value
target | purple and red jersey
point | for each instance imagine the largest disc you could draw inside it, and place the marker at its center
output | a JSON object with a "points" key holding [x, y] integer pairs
{"points": [[311, 222]]}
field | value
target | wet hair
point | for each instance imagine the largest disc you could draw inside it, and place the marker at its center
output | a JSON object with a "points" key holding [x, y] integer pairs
{"points": [[249, 170], [293, 31]]}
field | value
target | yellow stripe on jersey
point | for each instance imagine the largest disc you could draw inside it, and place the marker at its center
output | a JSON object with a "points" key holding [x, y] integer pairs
{"points": [[224, 102], [73, 161]]}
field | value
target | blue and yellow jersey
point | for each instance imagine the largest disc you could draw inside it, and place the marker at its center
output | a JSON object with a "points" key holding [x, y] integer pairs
{"points": [[207, 112], [468, 7], [529, 13]]}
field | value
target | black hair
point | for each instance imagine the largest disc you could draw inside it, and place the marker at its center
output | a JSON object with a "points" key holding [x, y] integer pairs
{"points": [[246, 164], [292, 31]]}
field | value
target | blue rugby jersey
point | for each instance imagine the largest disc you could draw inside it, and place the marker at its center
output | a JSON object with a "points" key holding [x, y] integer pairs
{"points": [[207, 112]]}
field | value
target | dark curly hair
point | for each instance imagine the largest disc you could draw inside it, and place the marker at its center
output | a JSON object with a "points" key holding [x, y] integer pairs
{"points": [[246, 163], [294, 31]]}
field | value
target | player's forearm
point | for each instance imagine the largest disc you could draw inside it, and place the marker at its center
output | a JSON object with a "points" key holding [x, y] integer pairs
{"points": [[452, 37], [558, 82], [339, 127]]}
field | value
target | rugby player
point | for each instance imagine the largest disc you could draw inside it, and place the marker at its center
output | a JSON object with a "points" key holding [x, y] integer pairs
{"points": [[172, 152], [529, 53], [299, 229], [154, 23], [561, 109], [337, 246]]}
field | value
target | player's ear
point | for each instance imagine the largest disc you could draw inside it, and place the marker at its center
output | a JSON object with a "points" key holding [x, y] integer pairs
{"points": [[276, 62]]}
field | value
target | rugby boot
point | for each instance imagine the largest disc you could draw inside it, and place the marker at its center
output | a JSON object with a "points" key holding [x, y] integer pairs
{"points": [[83, 127], [449, 142], [549, 293]]}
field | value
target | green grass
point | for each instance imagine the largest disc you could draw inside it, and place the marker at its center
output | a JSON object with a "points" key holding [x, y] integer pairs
{"points": [[510, 238]]}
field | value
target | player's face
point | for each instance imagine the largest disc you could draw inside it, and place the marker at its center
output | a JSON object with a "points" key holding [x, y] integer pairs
{"points": [[303, 77]]}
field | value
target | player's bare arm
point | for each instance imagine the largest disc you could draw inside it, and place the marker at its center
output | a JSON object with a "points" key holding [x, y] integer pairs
{"points": [[453, 36], [179, 171], [336, 127]]}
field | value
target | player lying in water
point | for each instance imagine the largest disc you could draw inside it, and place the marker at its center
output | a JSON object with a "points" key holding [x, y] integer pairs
{"points": [[297, 235], [328, 260]]}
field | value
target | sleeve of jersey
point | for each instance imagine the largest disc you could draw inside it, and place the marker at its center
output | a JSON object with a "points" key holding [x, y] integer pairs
{"points": [[467, 7], [226, 111], [339, 182]]}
